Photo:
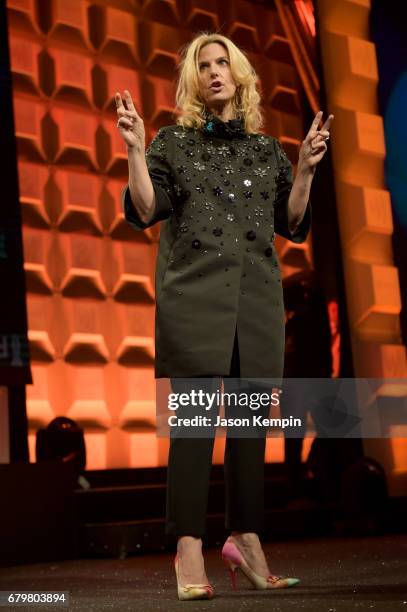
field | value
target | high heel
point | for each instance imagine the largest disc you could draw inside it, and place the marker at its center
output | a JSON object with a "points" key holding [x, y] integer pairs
{"points": [[233, 559], [192, 591], [232, 569]]}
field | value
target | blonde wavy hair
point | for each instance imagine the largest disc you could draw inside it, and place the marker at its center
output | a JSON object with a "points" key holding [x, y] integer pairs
{"points": [[246, 102]]}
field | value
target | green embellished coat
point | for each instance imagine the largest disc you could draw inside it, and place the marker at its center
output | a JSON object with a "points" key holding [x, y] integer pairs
{"points": [[221, 195]]}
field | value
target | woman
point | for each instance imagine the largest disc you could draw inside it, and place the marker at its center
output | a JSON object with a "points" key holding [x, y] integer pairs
{"points": [[222, 190]]}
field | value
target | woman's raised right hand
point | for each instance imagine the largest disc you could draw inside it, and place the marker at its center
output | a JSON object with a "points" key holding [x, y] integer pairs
{"points": [[129, 123]]}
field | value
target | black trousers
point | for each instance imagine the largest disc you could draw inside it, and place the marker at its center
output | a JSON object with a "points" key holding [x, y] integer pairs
{"points": [[189, 467]]}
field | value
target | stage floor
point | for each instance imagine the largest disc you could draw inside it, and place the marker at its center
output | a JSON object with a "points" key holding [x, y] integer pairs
{"points": [[337, 575]]}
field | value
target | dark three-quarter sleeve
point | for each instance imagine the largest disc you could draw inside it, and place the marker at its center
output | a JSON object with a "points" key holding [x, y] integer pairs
{"points": [[284, 182], [158, 157]]}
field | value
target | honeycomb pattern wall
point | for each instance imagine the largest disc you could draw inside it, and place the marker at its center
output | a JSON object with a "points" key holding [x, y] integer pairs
{"points": [[365, 216], [90, 277]]}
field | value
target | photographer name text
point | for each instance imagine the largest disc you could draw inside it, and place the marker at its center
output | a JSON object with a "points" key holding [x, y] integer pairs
{"points": [[253, 421]]}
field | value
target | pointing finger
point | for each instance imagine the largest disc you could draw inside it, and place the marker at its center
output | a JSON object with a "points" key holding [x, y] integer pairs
{"points": [[315, 123], [118, 100], [129, 101], [327, 123]]}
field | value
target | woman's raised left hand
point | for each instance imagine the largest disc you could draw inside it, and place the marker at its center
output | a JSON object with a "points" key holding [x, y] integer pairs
{"points": [[314, 145]]}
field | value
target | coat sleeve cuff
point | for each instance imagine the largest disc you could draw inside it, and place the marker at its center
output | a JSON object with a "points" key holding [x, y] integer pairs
{"points": [[162, 210], [301, 232], [282, 227]]}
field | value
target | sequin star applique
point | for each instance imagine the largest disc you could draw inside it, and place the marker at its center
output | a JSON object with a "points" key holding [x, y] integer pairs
{"points": [[260, 171], [199, 166], [180, 134]]}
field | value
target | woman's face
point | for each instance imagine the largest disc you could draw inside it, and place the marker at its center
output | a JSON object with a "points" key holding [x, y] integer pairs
{"points": [[216, 83]]}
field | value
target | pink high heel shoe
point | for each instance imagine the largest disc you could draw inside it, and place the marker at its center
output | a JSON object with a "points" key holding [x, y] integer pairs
{"points": [[234, 559], [192, 591]]}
